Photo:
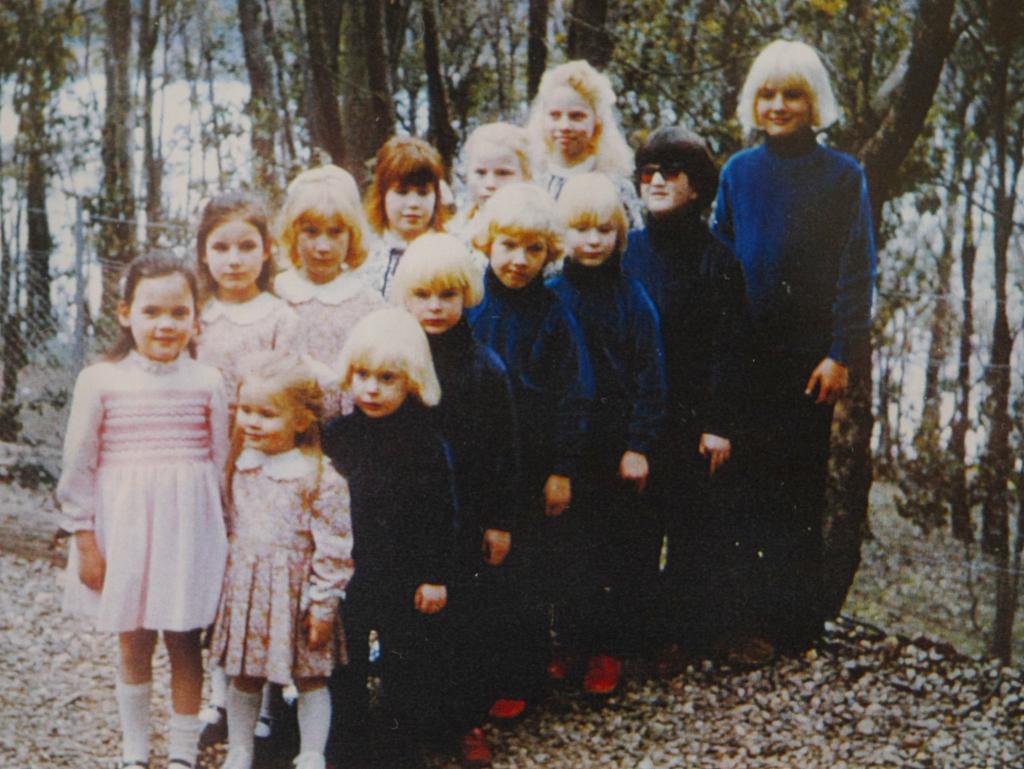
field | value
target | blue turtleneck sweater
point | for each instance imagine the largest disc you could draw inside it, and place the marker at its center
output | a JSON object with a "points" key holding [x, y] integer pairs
{"points": [[798, 217]]}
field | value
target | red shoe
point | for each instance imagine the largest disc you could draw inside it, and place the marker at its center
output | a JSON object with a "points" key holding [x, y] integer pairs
{"points": [[602, 675], [558, 667], [505, 708], [476, 751]]}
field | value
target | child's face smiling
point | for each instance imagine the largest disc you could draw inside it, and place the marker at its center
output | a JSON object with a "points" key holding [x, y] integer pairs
{"points": [[235, 252], [517, 259], [570, 124], [783, 108], [322, 247], [591, 244], [379, 392], [267, 423], [491, 167], [409, 209], [161, 317], [437, 309]]}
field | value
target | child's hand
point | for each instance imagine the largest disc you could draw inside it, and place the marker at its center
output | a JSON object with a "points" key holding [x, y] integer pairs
{"points": [[92, 567], [430, 599], [319, 631], [716, 449], [557, 495], [633, 468], [496, 546], [831, 378]]}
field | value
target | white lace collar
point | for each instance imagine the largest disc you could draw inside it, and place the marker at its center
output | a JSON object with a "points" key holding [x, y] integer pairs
{"points": [[244, 313], [286, 466], [295, 289], [584, 166], [151, 366]]}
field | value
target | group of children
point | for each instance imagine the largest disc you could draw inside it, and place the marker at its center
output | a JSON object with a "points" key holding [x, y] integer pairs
{"points": [[447, 435]]}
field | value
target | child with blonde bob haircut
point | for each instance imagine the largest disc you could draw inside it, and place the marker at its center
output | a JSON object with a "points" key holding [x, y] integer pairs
{"points": [[404, 201], [396, 464], [573, 130], [495, 154], [438, 282], [798, 216], [789, 64], [616, 571], [541, 345], [321, 230]]}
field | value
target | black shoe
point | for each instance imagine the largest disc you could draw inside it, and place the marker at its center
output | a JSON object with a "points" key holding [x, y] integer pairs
{"points": [[215, 732]]}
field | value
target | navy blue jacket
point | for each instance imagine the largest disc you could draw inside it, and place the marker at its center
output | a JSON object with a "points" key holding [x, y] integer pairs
{"points": [[400, 480], [621, 327], [543, 349], [798, 216], [697, 286], [478, 419]]}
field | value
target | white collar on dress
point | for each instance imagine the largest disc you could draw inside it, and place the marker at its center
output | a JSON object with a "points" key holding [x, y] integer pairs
{"points": [[285, 466], [584, 166], [295, 289], [243, 313], [151, 366]]}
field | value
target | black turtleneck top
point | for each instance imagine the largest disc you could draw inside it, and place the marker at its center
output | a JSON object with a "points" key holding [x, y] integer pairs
{"points": [[697, 286], [478, 419], [400, 481], [621, 327]]}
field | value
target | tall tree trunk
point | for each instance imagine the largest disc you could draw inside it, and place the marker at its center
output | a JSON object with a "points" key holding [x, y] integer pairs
{"points": [[994, 471], [32, 130], [10, 340], [440, 132], [281, 87], [369, 115], [588, 35], [117, 205], [959, 503], [261, 108], [326, 127], [882, 153], [536, 46], [152, 163]]}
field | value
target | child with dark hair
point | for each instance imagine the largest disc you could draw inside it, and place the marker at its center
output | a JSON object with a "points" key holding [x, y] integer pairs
{"points": [[697, 286], [403, 202]]}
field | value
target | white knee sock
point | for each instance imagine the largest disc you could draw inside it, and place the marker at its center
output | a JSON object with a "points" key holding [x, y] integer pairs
{"points": [[314, 720], [243, 712], [133, 706], [265, 700], [218, 687], [183, 738]]}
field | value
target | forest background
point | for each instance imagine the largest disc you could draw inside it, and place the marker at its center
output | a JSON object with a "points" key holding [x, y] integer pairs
{"points": [[117, 117]]}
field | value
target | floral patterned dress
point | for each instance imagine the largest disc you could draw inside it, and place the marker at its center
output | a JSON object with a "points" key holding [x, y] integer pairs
{"points": [[290, 555], [229, 332]]}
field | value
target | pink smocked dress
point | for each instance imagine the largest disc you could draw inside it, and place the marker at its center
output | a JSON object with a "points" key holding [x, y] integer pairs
{"points": [[229, 332], [327, 313], [291, 553], [143, 456]]}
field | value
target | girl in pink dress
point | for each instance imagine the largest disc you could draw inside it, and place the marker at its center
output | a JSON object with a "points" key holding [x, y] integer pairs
{"points": [[322, 231], [290, 557], [140, 490], [240, 314]]}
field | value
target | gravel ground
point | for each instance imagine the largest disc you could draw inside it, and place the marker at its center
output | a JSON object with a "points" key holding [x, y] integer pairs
{"points": [[861, 699]]}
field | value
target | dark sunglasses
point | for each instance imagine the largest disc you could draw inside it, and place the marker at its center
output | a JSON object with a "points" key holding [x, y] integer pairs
{"points": [[668, 171]]}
